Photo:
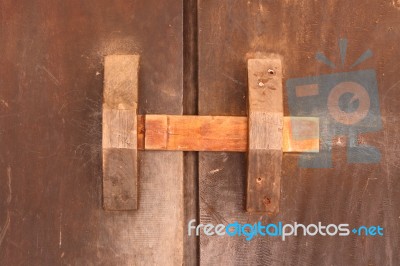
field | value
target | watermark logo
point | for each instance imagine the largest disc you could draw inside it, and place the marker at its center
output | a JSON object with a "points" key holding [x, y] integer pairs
{"points": [[249, 231], [347, 104]]}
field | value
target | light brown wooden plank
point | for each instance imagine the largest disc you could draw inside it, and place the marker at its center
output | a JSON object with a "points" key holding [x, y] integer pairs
{"points": [[118, 189], [156, 132], [218, 133], [119, 128], [300, 134], [265, 107], [120, 132], [121, 81], [195, 133]]}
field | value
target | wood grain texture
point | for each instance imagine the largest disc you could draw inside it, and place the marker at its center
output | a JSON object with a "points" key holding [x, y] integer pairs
{"points": [[195, 133], [119, 184], [264, 157], [231, 32], [120, 128], [52, 84], [121, 81], [119, 143], [156, 132], [221, 133]]}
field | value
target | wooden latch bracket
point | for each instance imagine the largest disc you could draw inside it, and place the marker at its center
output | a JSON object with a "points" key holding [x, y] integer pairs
{"points": [[120, 97], [264, 134], [265, 112]]}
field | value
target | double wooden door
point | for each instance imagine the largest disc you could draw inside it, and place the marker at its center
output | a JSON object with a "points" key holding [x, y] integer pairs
{"points": [[193, 61]]}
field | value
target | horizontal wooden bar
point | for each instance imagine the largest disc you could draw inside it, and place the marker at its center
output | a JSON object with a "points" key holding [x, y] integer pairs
{"points": [[219, 133]]}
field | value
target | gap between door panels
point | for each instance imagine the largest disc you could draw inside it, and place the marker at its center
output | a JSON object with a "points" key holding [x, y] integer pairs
{"points": [[191, 245]]}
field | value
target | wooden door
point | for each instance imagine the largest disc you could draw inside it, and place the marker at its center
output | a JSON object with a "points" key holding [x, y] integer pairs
{"points": [[51, 76], [230, 32], [193, 61]]}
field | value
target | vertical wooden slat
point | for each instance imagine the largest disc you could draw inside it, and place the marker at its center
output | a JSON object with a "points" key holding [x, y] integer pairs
{"points": [[265, 106], [120, 132]]}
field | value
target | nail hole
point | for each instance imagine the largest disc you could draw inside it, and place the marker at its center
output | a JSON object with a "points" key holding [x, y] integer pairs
{"points": [[259, 179], [266, 200], [271, 71]]}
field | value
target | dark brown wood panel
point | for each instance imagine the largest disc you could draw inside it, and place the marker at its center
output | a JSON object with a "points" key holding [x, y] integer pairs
{"points": [[51, 88], [230, 32]]}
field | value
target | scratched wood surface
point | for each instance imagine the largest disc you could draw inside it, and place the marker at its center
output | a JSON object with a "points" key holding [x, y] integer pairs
{"points": [[264, 157], [230, 32], [51, 89], [119, 130]]}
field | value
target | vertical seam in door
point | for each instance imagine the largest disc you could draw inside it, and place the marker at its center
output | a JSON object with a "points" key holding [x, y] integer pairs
{"points": [[191, 248]]}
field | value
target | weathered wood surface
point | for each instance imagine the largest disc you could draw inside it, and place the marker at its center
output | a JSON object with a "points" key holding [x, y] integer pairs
{"points": [[264, 157], [51, 77], [231, 32], [119, 140], [219, 133]]}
